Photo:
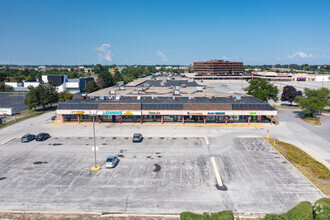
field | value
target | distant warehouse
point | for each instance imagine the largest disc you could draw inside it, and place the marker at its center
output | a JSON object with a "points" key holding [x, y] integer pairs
{"points": [[140, 109]]}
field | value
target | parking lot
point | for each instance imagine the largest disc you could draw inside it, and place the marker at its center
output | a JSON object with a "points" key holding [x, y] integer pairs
{"points": [[159, 175]]}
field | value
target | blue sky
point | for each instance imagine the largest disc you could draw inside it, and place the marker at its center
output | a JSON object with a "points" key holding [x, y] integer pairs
{"points": [[164, 32]]}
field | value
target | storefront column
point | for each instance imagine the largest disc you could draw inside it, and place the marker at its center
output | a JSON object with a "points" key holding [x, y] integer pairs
{"points": [[119, 119], [226, 119], [271, 120], [162, 119], [99, 119], [204, 120], [249, 119], [141, 119], [78, 119], [62, 119], [182, 119]]}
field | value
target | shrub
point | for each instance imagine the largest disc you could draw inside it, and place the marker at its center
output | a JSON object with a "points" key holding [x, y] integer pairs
{"points": [[302, 211], [322, 209]]}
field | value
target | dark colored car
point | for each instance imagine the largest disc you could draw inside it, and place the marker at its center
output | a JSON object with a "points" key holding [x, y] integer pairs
{"points": [[42, 136], [137, 137], [28, 138]]}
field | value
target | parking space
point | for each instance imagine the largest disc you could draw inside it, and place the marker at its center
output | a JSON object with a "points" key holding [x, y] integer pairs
{"points": [[57, 172], [258, 177], [159, 175]]}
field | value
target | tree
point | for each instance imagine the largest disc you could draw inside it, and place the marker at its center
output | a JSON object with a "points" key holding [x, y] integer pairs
{"points": [[44, 94], [314, 101], [64, 96], [117, 77], [31, 99], [92, 86], [105, 79], [262, 89], [4, 87], [289, 94]]}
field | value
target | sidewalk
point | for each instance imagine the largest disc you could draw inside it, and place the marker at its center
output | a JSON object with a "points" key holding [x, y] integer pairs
{"points": [[171, 124]]}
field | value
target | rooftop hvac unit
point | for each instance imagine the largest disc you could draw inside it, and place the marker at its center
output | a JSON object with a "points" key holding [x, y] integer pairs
{"points": [[154, 97], [191, 98], [176, 92], [177, 87], [238, 97], [190, 80], [101, 97], [184, 85], [175, 98], [111, 97], [122, 88], [199, 89], [112, 92], [138, 97], [118, 97]]}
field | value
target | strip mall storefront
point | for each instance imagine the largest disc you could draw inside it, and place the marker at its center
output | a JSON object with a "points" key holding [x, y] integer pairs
{"points": [[162, 116]]}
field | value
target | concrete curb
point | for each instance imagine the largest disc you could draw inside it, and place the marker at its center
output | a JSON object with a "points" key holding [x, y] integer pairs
{"points": [[98, 214]]}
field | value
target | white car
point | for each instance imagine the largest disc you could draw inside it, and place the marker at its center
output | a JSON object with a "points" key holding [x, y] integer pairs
{"points": [[111, 162]]}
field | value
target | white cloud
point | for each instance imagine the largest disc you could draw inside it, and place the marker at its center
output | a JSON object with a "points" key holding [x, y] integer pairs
{"points": [[225, 58], [161, 55], [104, 52], [300, 54]]}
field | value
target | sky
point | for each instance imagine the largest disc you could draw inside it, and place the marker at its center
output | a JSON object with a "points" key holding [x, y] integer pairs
{"points": [[141, 32]]}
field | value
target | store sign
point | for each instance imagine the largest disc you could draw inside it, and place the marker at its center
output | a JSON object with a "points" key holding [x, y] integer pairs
{"points": [[128, 113], [112, 113], [154, 113], [216, 113], [253, 113], [194, 113], [80, 112]]}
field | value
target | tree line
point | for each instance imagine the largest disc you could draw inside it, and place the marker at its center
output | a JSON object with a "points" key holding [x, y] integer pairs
{"points": [[106, 79], [311, 101]]}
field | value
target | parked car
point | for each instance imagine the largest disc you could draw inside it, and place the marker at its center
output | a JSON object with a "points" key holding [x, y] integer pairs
{"points": [[28, 138], [42, 136], [137, 137], [111, 162]]}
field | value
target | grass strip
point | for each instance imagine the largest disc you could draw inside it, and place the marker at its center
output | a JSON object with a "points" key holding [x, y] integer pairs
{"points": [[224, 215], [313, 170], [28, 114]]}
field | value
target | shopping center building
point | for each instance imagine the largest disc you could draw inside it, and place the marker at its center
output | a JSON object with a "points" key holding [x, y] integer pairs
{"points": [[164, 100], [167, 109]]}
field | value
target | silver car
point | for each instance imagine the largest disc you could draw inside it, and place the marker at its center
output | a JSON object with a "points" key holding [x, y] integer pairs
{"points": [[137, 137], [111, 162]]}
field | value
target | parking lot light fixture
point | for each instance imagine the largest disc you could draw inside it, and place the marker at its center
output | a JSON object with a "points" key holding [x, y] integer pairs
{"points": [[95, 167]]}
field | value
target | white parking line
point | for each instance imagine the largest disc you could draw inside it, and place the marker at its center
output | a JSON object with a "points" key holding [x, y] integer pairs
{"points": [[77, 176]]}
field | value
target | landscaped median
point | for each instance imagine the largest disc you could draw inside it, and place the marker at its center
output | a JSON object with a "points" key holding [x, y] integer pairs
{"points": [[313, 170]]}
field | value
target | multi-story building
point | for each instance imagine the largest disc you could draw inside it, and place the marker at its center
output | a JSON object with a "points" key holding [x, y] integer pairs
{"points": [[218, 67]]}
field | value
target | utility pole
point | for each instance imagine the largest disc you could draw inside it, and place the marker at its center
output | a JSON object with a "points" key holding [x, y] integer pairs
{"points": [[95, 167]]}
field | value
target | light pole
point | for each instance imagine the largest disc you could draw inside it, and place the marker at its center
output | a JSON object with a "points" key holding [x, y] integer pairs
{"points": [[95, 167]]}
